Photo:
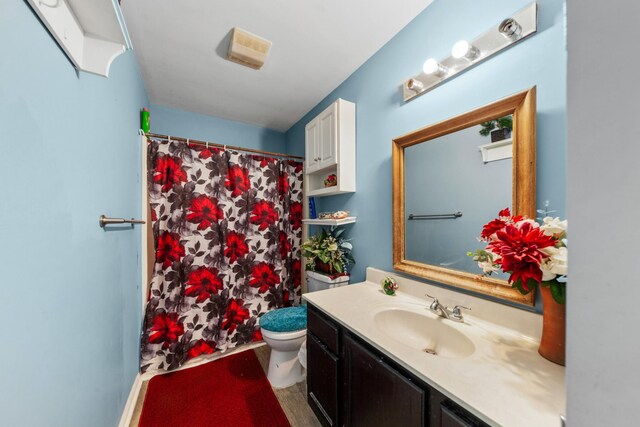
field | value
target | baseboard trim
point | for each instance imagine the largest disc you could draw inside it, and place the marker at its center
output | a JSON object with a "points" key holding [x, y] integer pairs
{"points": [[129, 407]]}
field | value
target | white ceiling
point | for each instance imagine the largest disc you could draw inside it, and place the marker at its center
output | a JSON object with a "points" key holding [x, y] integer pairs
{"points": [[317, 44]]}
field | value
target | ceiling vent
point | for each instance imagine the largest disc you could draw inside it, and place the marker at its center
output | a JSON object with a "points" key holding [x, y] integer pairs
{"points": [[248, 49]]}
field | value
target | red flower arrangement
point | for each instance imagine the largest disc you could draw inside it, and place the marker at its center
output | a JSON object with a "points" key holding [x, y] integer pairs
{"points": [[529, 252]]}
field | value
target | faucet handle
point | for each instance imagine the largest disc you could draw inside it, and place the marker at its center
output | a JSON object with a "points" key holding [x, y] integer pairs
{"points": [[433, 298], [456, 310]]}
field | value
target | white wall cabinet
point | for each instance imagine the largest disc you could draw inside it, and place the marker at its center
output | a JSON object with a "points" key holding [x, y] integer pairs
{"points": [[330, 144]]}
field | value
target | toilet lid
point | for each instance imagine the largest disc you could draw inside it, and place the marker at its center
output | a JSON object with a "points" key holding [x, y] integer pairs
{"points": [[287, 319]]}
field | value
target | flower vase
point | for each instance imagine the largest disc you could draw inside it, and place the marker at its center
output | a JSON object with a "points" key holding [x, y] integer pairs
{"points": [[552, 342]]}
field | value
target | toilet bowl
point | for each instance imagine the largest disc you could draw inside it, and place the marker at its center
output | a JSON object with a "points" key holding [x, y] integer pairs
{"points": [[284, 330]]}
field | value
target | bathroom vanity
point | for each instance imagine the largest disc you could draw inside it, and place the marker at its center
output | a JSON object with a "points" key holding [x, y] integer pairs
{"points": [[376, 360]]}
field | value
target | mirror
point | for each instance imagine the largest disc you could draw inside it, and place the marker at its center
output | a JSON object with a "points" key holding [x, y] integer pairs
{"points": [[449, 179]]}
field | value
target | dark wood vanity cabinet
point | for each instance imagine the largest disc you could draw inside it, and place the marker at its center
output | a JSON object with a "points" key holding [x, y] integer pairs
{"points": [[351, 384], [323, 368], [376, 394]]}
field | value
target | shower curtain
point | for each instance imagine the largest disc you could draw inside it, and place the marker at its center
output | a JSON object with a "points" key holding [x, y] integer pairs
{"points": [[227, 230]]}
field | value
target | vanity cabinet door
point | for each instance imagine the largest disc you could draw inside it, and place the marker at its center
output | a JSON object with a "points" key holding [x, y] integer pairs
{"points": [[322, 381], [376, 394]]}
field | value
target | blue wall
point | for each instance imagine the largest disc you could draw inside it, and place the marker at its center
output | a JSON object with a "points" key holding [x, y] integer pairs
{"points": [[70, 291], [170, 121], [382, 115]]}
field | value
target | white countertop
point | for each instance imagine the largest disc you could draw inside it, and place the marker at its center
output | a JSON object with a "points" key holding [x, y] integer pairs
{"points": [[505, 382]]}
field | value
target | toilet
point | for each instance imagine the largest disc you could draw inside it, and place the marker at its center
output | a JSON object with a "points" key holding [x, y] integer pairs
{"points": [[284, 330]]}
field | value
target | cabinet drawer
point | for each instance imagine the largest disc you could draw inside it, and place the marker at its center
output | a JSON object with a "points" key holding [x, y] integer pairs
{"points": [[324, 329], [322, 382], [452, 415]]}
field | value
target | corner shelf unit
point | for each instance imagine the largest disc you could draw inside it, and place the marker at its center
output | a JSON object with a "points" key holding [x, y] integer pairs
{"points": [[330, 222], [92, 33], [330, 149]]}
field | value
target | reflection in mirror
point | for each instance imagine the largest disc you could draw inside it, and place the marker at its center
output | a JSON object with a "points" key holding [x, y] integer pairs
{"points": [[447, 175], [451, 178]]}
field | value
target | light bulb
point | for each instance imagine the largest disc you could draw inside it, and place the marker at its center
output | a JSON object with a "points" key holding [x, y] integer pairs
{"points": [[431, 66], [464, 49]]}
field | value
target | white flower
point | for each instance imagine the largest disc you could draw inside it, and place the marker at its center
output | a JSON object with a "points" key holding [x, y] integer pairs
{"points": [[522, 222], [553, 226], [555, 264], [487, 266], [332, 247]]}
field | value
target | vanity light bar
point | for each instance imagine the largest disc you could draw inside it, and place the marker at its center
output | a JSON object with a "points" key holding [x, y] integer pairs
{"points": [[466, 54]]}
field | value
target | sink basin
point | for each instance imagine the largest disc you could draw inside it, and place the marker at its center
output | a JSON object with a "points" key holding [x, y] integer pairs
{"points": [[431, 335]]}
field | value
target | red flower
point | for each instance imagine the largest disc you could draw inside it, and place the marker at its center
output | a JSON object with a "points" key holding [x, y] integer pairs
{"points": [[296, 165], [285, 246], [263, 277], [236, 246], [235, 315], [264, 161], [296, 272], [203, 282], [506, 212], [286, 302], [263, 214], [257, 335], [520, 252], [204, 211], [169, 249], [168, 172], [154, 215], [201, 347], [166, 329], [237, 180], [283, 184], [494, 226], [295, 215], [205, 152]]}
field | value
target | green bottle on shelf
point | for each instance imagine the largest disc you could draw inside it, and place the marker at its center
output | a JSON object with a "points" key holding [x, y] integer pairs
{"points": [[145, 120]]}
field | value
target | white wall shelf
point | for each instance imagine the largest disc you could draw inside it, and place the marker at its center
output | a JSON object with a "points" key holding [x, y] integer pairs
{"points": [[91, 32], [497, 150], [330, 222]]}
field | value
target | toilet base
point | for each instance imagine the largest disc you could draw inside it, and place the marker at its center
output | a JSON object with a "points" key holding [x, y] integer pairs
{"points": [[285, 369]]}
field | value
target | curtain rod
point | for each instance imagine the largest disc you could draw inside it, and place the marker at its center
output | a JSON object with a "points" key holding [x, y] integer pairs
{"points": [[213, 144]]}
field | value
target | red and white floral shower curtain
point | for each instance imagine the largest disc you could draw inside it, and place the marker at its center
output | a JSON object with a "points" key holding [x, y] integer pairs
{"points": [[227, 229]]}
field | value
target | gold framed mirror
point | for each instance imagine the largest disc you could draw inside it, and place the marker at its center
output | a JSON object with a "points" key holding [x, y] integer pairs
{"points": [[427, 241]]}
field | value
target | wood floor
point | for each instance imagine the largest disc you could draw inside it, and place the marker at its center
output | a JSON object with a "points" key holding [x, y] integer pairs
{"points": [[292, 399]]}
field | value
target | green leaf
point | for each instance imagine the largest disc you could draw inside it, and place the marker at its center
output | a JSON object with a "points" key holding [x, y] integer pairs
{"points": [[559, 292]]}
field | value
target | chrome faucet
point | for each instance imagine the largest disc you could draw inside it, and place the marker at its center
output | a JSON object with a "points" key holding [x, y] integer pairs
{"points": [[451, 314]]}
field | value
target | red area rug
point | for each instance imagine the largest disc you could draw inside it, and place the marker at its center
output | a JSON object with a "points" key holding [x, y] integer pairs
{"points": [[232, 391]]}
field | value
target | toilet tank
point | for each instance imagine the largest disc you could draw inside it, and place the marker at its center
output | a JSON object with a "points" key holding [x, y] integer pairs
{"points": [[318, 281]]}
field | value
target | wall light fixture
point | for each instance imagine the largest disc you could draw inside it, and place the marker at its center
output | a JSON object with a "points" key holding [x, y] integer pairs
{"points": [[466, 54]]}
